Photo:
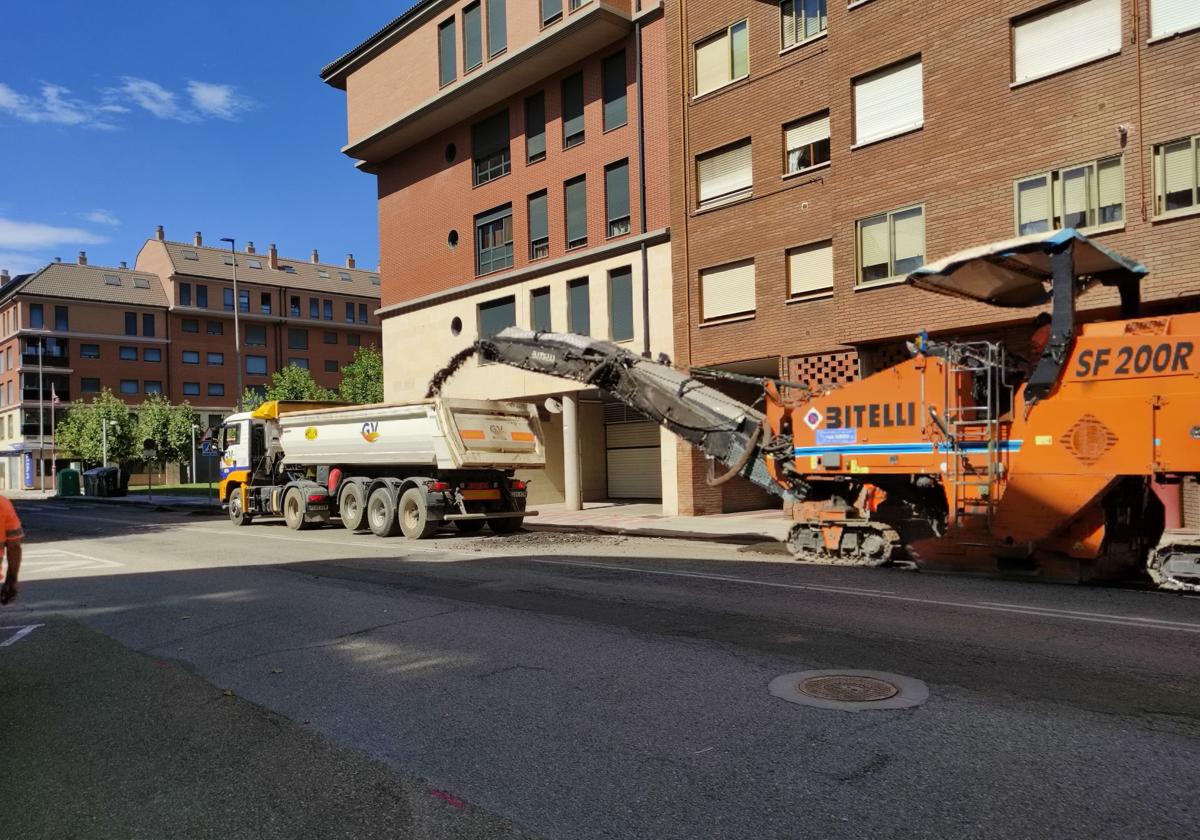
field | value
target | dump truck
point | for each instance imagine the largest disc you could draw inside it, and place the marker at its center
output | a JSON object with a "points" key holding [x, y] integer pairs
{"points": [[391, 469], [962, 457]]}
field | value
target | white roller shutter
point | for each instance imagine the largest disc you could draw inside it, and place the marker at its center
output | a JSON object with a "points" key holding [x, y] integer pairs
{"points": [[727, 290], [634, 460], [1065, 37], [810, 269], [712, 64], [1033, 205], [908, 232], [1179, 173], [1110, 177], [808, 131], [889, 102], [725, 173], [1167, 16]]}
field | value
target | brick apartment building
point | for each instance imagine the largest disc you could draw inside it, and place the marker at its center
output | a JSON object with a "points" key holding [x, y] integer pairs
{"points": [[821, 150], [166, 326], [521, 155]]}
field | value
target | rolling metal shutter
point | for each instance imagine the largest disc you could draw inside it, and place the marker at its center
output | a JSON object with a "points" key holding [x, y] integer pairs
{"points": [[727, 290], [1066, 37], [810, 269], [633, 454], [889, 102], [1167, 16]]}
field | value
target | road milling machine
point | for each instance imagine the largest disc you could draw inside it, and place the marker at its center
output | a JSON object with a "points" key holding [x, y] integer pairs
{"points": [[958, 458]]}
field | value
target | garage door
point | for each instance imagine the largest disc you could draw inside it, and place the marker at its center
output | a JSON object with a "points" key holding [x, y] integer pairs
{"points": [[633, 455]]}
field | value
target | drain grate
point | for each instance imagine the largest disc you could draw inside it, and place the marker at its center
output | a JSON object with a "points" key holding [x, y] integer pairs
{"points": [[848, 689]]}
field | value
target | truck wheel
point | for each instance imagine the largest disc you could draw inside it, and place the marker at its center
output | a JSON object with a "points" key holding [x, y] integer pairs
{"points": [[469, 526], [414, 516], [237, 514], [293, 511], [381, 513], [353, 507], [506, 526]]}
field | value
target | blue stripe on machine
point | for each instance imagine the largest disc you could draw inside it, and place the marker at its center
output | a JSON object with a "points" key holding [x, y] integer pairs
{"points": [[902, 448], [225, 471]]}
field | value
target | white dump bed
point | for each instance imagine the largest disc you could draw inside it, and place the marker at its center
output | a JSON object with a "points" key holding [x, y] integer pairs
{"points": [[442, 433]]}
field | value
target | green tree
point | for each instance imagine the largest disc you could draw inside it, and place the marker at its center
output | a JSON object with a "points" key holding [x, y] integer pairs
{"points": [[252, 398], [362, 379], [80, 432], [169, 426]]}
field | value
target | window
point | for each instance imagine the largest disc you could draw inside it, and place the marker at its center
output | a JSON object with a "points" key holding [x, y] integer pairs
{"points": [[345, 277], [191, 389], [89, 385], [256, 365], [1175, 175], [362, 313], [374, 278], [489, 145], [727, 290], [148, 325], [572, 109], [1080, 196], [353, 339], [810, 270], [551, 11], [141, 283], [296, 361], [889, 102], [331, 337], [152, 354], [215, 359], [294, 306], [447, 61], [496, 315], [472, 23], [327, 309], [61, 320], [190, 325], [112, 280], [1170, 16], [128, 354], [216, 389], [129, 386], [331, 366], [130, 323], [615, 85], [494, 240], [722, 58], [314, 309], [1065, 36], [497, 27], [265, 303], [243, 300], [214, 328], [191, 357], [202, 296], [254, 263], [539, 227], [535, 128], [539, 309], [579, 307], [575, 201], [802, 19], [37, 317], [89, 351], [185, 294], [297, 339], [349, 313], [256, 335], [891, 244], [807, 143], [725, 174], [578, 4], [616, 198], [620, 304], [227, 297], [190, 255], [152, 386]]}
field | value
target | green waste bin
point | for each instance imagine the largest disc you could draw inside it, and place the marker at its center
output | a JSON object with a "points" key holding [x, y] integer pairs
{"points": [[68, 482]]}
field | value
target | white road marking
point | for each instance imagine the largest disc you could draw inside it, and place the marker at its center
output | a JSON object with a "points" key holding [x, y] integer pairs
{"points": [[22, 632], [1040, 612]]}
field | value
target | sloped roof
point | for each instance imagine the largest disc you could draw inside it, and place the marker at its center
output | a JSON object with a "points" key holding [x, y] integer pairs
{"points": [[252, 268], [333, 69], [92, 282]]}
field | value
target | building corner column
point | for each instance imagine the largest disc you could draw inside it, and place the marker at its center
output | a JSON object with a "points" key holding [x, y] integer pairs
{"points": [[572, 493]]}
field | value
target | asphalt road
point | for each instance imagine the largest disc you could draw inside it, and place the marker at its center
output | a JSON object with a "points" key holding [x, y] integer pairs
{"points": [[611, 687]]}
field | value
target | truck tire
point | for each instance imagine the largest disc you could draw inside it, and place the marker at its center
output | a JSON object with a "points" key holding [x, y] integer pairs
{"points": [[414, 516], [353, 506], [509, 525], [466, 527], [293, 510], [237, 514], [381, 513]]}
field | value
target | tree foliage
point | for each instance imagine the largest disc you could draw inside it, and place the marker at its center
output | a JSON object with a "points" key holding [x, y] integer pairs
{"points": [[290, 383], [80, 432], [362, 379], [169, 426]]}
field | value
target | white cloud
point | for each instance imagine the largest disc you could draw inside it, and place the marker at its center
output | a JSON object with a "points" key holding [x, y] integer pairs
{"points": [[152, 97], [30, 236], [102, 217], [221, 101], [54, 104]]}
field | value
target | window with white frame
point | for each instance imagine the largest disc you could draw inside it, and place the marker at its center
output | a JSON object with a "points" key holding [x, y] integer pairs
{"points": [[810, 270], [727, 291], [722, 58], [889, 102], [801, 20], [494, 240], [891, 244], [1170, 16], [1177, 176], [1064, 36], [725, 174], [806, 143], [1084, 195]]}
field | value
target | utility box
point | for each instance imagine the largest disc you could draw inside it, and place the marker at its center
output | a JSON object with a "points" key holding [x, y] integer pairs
{"points": [[68, 484]]}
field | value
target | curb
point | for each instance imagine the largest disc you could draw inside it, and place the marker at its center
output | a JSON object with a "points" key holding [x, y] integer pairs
{"points": [[128, 502], [657, 533]]}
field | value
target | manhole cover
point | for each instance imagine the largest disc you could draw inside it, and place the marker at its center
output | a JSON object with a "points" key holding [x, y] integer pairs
{"points": [[848, 689]]}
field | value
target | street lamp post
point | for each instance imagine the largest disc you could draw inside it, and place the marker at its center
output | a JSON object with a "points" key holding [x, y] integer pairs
{"points": [[104, 424], [237, 330], [195, 429]]}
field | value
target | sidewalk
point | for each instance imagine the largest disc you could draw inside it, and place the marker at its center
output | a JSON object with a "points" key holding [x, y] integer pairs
{"points": [[647, 520], [158, 499]]}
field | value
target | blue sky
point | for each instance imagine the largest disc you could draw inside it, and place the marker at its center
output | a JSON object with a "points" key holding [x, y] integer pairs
{"points": [[209, 116]]}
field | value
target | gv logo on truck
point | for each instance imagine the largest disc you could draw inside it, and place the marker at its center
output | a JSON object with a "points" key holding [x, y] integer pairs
{"points": [[370, 431], [310, 433]]}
